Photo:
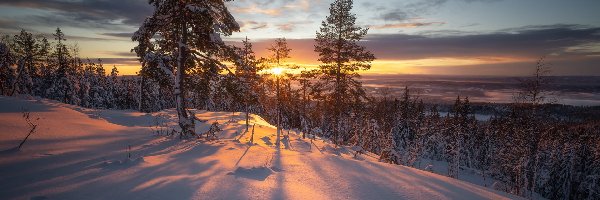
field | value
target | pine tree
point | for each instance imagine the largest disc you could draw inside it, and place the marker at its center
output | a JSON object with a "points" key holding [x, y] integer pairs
{"points": [[63, 82], [590, 187], [114, 92], [279, 53], [389, 154], [247, 73], [304, 80], [454, 138], [435, 140], [93, 86], [46, 69], [189, 33], [26, 48], [404, 130], [342, 57], [372, 137], [7, 74], [416, 144], [98, 85]]}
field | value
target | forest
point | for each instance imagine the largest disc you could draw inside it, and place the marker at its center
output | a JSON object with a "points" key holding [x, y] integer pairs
{"points": [[187, 66]]}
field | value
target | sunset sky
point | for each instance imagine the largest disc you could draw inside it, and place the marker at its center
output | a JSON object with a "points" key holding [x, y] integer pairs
{"points": [[449, 37]]}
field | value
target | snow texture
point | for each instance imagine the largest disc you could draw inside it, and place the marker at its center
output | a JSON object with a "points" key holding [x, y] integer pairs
{"points": [[82, 153]]}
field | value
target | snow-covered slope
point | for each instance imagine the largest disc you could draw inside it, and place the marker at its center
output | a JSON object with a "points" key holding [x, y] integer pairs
{"points": [[83, 154]]}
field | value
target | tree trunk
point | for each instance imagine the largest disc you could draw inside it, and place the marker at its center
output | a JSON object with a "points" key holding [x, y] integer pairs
{"points": [[141, 97], [20, 72], [278, 141], [185, 122], [247, 117]]}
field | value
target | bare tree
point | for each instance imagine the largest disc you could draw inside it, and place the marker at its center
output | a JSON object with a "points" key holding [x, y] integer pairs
{"points": [[534, 89], [32, 123], [533, 93]]}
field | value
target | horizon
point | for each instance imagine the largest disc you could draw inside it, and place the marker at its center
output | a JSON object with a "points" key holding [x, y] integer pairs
{"points": [[427, 37]]}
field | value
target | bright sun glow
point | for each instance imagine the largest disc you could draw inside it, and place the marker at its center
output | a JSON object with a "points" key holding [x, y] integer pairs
{"points": [[277, 71]]}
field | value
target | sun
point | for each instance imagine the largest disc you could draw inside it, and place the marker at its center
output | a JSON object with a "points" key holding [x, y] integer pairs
{"points": [[277, 71]]}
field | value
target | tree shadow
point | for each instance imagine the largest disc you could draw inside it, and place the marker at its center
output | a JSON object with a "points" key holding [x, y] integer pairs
{"points": [[254, 173], [384, 181], [127, 118], [279, 192], [78, 172], [267, 140], [241, 157], [16, 105]]}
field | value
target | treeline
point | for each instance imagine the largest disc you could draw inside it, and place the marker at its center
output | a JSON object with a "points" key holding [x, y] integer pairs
{"points": [[522, 146], [31, 64]]}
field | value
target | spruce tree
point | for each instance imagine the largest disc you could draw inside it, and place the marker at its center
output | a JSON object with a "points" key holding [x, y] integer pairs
{"points": [[7, 74], [26, 48], [63, 82], [342, 58], [247, 72], [181, 36], [114, 91]]}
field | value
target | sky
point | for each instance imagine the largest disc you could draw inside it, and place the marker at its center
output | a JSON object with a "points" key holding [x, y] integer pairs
{"points": [[441, 37]]}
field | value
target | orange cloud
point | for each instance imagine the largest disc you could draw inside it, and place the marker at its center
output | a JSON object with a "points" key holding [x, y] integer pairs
{"points": [[253, 9]]}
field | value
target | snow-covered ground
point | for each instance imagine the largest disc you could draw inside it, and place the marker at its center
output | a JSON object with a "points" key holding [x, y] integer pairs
{"points": [[79, 153]]}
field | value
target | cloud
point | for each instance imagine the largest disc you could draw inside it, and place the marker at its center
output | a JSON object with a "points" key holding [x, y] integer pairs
{"points": [[395, 15], [406, 25], [119, 35], [89, 13], [368, 4], [8, 24], [51, 37], [410, 15], [286, 27], [291, 9], [303, 5], [528, 41], [119, 61], [291, 26], [125, 54], [523, 42], [254, 9], [253, 25], [417, 9]]}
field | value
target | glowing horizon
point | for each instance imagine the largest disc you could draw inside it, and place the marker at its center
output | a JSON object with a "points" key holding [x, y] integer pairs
{"points": [[475, 37]]}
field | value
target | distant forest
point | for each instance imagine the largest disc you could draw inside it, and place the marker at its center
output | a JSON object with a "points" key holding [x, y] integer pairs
{"points": [[524, 145]]}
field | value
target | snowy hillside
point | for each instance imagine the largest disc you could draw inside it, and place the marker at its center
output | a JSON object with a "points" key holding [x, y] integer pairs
{"points": [[79, 153]]}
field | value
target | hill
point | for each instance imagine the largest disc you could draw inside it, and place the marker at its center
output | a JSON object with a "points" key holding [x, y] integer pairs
{"points": [[79, 153]]}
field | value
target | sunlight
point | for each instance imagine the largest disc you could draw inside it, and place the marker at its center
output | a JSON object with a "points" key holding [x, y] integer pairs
{"points": [[276, 100], [277, 71]]}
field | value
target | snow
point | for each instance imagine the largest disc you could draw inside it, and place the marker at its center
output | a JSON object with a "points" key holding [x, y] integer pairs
{"points": [[196, 9], [479, 117], [82, 153], [152, 57], [215, 37]]}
